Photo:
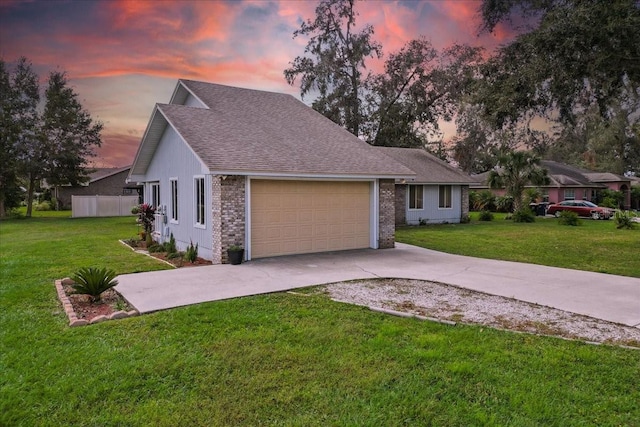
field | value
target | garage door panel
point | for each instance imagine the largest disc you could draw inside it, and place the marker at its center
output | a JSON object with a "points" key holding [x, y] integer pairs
{"points": [[290, 217]]}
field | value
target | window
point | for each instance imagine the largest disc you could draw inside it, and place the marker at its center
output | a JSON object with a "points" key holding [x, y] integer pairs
{"points": [[199, 184], [415, 197], [444, 197], [174, 199], [569, 194], [155, 195]]}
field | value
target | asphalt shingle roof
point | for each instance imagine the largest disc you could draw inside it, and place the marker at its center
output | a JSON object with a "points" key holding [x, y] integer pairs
{"points": [[246, 130], [428, 168], [563, 175]]}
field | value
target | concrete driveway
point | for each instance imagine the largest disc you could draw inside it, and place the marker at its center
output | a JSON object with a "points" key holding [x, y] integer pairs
{"points": [[603, 296]]}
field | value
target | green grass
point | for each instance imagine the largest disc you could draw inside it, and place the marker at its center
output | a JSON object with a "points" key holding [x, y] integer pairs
{"points": [[279, 359], [591, 246]]}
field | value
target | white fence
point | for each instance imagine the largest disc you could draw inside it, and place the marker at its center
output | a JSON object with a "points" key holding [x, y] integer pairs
{"points": [[83, 206]]}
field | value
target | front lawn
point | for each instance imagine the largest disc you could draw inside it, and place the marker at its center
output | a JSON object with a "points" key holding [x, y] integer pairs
{"points": [[592, 246], [279, 359]]}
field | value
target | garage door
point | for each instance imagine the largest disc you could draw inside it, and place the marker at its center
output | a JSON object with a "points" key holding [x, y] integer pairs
{"points": [[296, 217]]}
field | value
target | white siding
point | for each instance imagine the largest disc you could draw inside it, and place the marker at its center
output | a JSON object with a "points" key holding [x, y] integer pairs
{"points": [[173, 159], [431, 213]]}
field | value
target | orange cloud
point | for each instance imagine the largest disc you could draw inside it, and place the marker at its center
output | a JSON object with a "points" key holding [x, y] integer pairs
{"points": [[195, 21]]}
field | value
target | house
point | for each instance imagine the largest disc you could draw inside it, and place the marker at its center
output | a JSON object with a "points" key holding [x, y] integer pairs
{"points": [[102, 182], [230, 166], [439, 193], [572, 183]]}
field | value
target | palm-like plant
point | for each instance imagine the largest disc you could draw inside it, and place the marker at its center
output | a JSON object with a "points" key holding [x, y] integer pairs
{"points": [[93, 282], [516, 170]]}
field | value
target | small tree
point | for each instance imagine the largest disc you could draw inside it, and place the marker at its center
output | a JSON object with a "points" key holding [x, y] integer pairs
{"points": [[516, 170]]}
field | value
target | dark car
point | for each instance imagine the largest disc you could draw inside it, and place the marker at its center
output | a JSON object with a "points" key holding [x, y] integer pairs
{"points": [[582, 207]]}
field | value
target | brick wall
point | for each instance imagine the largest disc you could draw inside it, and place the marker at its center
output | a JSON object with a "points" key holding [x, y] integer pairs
{"points": [[387, 224], [401, 204]]}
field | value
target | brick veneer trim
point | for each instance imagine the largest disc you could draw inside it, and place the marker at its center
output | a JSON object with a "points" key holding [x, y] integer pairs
{"points": [[387, 214]]}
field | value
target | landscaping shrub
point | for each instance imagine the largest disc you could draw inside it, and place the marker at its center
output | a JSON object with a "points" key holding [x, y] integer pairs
{"points": [[42, 206], [192, 252], [610, 198], [155, 247], [568, 218], [170, 246], [485, 216], [93, 281], [523, 215], [504, 204], [486, 201], [473, 200], [532, 195], [624, 220]]}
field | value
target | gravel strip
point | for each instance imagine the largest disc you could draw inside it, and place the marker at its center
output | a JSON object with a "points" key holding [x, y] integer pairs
{"points": [[456, 304]]}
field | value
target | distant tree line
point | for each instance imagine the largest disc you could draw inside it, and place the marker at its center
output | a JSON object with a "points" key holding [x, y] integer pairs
{"points": [[52, 142]]}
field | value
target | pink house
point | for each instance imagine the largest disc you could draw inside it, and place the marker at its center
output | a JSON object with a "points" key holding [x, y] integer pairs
{"points": [[571, 183]]}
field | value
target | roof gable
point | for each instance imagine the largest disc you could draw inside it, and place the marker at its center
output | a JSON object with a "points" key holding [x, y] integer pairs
{"points": [[246, 131]]}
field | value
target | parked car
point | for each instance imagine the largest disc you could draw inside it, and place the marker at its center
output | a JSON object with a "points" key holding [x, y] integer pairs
{"points": [[583, 208]]}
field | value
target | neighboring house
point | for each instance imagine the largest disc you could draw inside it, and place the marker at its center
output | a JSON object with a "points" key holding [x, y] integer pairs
{"points": [[230, 166], [571, 183], [439, 193], [102, 182]]}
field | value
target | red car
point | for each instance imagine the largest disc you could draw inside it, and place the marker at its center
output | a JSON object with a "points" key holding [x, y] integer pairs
{"points": [[582, 207]]}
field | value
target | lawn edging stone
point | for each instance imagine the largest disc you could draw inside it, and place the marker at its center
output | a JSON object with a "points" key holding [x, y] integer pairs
{"points": [[73, 317]]}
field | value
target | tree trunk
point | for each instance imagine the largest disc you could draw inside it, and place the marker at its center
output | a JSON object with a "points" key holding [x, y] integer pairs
{"points": [[32, 184]]}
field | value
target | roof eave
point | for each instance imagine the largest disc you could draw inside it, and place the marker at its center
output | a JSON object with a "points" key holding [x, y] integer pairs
{"points": [[150, 140], [311, 175]]}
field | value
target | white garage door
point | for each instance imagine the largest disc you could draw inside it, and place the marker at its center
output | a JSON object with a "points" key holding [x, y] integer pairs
{"points": [[296, 217]]}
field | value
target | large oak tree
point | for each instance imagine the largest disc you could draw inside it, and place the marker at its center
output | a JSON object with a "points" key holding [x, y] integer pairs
{"points": [[398, 107], [576, 53], [334, 62]]}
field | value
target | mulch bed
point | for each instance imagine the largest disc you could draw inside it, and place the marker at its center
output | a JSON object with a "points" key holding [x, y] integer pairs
{"points": [[177, 262], [110, 302], [180, 262], [85, 310]]}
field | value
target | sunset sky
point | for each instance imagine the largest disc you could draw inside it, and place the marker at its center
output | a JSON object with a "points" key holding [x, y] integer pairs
{"points": [[122, 57]]}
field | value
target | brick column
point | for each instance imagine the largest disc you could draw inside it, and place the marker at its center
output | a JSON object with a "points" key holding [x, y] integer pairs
{"points": [[233, 219], [387, 226], [465, 200], [216, 223]]}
